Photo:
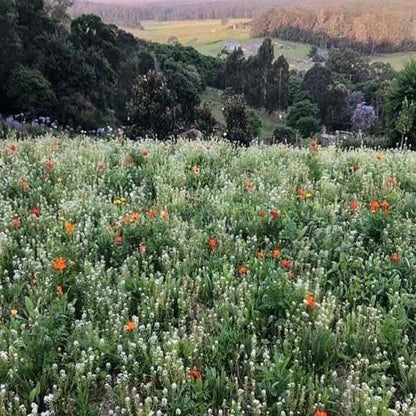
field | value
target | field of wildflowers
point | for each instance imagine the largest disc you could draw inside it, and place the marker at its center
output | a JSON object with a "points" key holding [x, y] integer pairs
{"points": [[200, 279]]}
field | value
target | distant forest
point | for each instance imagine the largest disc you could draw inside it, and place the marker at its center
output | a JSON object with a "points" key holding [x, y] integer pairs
{"points": [[131, 15], [370, 27]]}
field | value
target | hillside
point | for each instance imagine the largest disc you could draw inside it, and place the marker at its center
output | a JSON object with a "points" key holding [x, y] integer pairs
{"points": [[197, 278]]}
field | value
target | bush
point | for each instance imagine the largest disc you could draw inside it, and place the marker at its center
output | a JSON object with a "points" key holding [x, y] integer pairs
{"points": [[284, 134]]}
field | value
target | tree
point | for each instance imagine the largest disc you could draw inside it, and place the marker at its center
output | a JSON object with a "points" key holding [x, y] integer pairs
{"points": [[351, 64], [278, 86], [153, 110], [304, 117], [337, 116], [406, 120], [284, 134], [205, 121], [237, 119], [364, 118], [232, 76], [403, 87]]}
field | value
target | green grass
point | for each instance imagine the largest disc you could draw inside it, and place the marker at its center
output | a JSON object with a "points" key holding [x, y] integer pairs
{"points": [[208, 37], [213, 97]]}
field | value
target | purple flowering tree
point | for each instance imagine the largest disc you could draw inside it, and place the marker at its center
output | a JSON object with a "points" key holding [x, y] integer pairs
{"points": [[364, 118]]}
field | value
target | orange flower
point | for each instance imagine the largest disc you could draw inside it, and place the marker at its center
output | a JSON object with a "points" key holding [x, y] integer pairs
{"points": [[13, 312], [70, 228], [145, 154], [49, 165], [286, 264], [261, 214], [213, 243], [310, 301], [249, 185], [142, 248], [386, 206], [100, 167], [119, 240], [374, 206], [59, 264], [321, 413], [355, 167], [379, 157], [194, 373], [260, 254], [354, 205], [126, 219], [13, 148], [135, 216], [301, 193], [276, 253], [164, 215], [24, 185], [196, 170], [60, 290], [151, 214], [130, 326], [390, 181], [36, 212], [242, 271], [314, 146], [275, 214], [16, 223], [395, 258]]}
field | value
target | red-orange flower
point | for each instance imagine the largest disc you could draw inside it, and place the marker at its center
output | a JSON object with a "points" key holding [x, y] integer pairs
{"points": [[276, 253], [135, 216], [242, 271], [261, 214], [285, 264], [390, 181], [249, 185], [24, 185], [60, 290], [301, 193], [374, 206], [49, 165], [36, 212], [69, 228], [130, 326], [151, 214], [197, 170], [310, 301], [321, 413], [127, 219], [13, 148], [145, 154], [194, 373], [395, 258], [142, 248], [354, 205], [16, 223], [275, 214], [100, 167], [165, 215], [386, 206], [59, 264], [213, 243], [119, 240], [355, 167]]}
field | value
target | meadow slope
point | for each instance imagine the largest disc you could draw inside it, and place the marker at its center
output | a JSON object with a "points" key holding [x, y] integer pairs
{"points": [[196, 278]]}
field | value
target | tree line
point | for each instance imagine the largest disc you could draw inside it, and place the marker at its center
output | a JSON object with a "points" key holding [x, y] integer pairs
{"points": [[368, 28]]}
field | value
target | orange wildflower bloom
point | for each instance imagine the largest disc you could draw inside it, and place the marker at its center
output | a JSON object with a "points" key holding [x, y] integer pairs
{"points": [[276, 253], [286, 264], [130, 326], [59, 264], [310, 301], [196, 170], [379, 157], [24, 185], [100, 167], [249, 185], [390, 181], [261, 214], [49, 165], [142, 248], [69, 228], [386, 206], [145, 154], [13, 148], [260, 254], [355, 167], [321, 413], [275, 214], [16, 223], [242, 271], [301, 193], [374, 206], [127, 219], [36, 212], [213, 243], [395, 258], [165, 215], [60, 290], [151, 214], [354, 205], [119, 240], [135, 216], [194, 373]]}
